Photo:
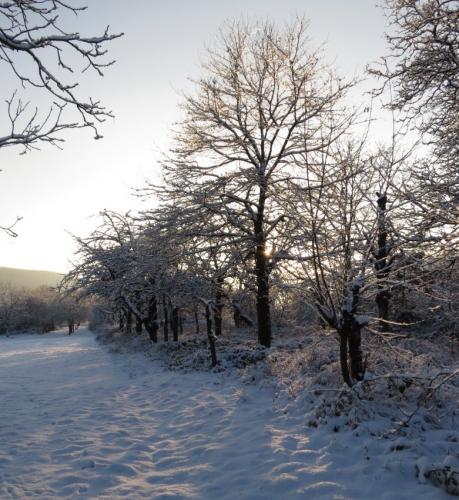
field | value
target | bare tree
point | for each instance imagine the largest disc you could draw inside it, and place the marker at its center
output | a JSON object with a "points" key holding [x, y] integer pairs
{"points": [[39, 51], [263, 101], [132, 268], [333, 252], [41, 309], [390, 168], [105, 259], [422, 70]]}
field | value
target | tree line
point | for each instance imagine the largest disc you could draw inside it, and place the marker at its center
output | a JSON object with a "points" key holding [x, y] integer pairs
{"points": [[42, 309], [275, 205]]}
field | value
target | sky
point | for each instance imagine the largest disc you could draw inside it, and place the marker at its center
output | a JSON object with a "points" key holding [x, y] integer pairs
{"points": [[60, 192]]}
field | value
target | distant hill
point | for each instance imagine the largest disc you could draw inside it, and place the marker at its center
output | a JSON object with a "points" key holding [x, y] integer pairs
{"points": [[26, 278]]}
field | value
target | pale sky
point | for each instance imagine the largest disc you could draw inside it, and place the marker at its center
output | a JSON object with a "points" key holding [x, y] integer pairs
{"points": [[57, 191]]}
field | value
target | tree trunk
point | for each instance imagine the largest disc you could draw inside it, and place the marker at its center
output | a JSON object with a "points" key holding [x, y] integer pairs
{"points": [[349, 331], [351, 347], [210, 335], [129, 322], [138, 320], [382, 303], [166, 320], [175, 323], [382, 265], [263, 307], [196, 321], [357, 368], [218, 307], [138, 325], [151, 322], [236, 315], [261, 264], [343, 358]]}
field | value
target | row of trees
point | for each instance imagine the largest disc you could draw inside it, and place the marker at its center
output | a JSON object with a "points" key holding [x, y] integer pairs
{"points": [[273, 196], [42, 309]]}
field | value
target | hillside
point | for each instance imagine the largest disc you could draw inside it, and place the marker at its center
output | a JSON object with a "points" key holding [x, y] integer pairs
{"points": [[28, 278]]}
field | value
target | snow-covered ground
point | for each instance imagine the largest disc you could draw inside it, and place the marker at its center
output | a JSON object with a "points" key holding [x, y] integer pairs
{"points": [[77, 421]]}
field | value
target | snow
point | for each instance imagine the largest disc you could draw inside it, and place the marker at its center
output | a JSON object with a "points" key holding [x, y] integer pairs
{"points": [[79, 421]]}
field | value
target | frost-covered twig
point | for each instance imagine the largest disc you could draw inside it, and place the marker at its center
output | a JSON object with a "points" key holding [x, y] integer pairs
{"points": [[427, 394], [33, 30]]}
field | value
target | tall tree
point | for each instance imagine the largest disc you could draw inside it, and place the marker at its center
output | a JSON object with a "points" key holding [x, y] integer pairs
{"points": [[422, 69], [334, 249], [264, 100]]}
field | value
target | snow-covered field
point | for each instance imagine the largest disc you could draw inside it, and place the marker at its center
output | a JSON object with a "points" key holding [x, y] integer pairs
{"points": [[77, 421]]}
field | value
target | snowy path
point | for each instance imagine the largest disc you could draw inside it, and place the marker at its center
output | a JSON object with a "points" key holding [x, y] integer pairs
{"points": [[79, 422]]}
